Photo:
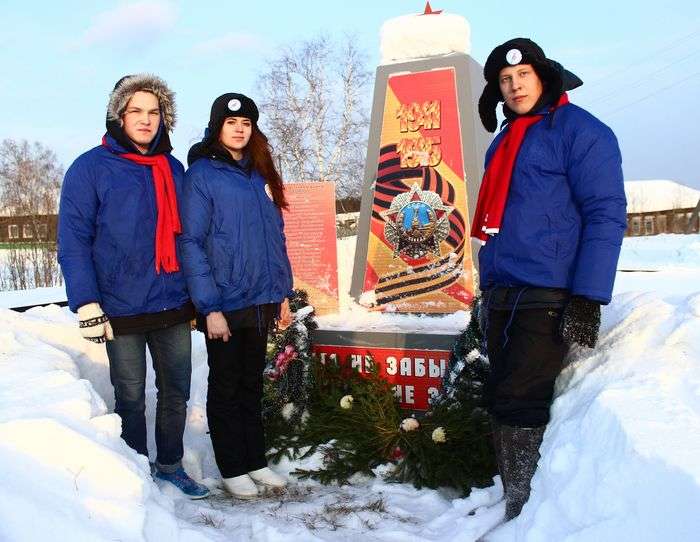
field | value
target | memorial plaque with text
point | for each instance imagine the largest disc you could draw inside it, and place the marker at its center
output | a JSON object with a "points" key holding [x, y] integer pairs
{"points": [[414, 364], [309, 225]]}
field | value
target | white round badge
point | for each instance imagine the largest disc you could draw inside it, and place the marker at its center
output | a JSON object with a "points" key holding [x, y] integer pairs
{"points": [[514, 56], [268, 191], [234, 104]]}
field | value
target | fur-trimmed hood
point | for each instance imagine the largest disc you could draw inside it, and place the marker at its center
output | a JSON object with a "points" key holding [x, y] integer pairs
{"points": [[128, 85]]}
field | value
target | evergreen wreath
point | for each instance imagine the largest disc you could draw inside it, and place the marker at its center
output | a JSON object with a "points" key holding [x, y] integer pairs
{"points": [[356, 423]]}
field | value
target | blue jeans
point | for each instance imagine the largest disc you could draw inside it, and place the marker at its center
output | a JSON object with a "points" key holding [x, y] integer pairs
{"points": [[171, 350]]}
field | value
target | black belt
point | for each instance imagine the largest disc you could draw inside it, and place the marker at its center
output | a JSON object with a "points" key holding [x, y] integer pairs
{"points": [[525, 297]]}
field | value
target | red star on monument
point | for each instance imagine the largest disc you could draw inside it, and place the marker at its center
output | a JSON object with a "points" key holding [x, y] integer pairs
{"points": [[429, 11]]}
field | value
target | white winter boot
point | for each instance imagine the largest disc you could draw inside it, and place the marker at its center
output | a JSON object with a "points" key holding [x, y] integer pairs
{"points": [[268, 478], [241, 487]]}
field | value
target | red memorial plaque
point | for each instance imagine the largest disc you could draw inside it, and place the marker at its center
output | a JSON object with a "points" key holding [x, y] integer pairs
{"points": [[309, 225], [415, 374]]}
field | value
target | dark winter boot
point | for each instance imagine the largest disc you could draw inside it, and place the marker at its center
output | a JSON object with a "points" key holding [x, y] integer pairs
{"points": [[498, 448], [519, 451]]}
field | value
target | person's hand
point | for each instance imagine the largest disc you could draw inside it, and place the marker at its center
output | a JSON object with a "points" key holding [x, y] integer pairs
{"points": [[94, 324], [217, 326], [286, 317], [580, 322]]}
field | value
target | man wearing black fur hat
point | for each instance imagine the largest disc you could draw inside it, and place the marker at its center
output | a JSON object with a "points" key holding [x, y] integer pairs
{"points": [[118, 222], [551, 215]]}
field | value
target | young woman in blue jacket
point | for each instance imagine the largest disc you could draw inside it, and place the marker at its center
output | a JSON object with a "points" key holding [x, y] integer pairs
{"points": [[239, 277]]}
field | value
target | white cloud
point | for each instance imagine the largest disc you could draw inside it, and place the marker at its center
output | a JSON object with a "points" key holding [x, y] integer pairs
{"points": [[132, 24], [227, 43]]}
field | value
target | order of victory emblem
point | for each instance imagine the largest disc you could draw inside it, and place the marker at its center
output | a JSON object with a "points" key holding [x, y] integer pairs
{"points": [[416, 223]]}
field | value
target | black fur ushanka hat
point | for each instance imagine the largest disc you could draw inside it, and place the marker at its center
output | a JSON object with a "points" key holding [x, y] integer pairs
{"points": [[554, 77]]}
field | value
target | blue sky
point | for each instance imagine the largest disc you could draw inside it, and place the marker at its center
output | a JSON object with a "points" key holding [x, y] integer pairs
{"points": [[640, 62]]}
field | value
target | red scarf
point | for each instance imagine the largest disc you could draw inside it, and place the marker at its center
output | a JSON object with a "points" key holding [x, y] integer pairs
{"points": [[496, 182], [166, 202]]}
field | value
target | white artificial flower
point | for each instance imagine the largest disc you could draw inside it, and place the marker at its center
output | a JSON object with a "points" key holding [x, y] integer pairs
{"points": [[305, 417], [346, 402], [409, 424], [439, 435], [287, 411]]}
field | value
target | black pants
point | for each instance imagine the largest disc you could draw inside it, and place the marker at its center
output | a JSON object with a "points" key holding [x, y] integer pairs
{"points": [[234, 400], [526, 355]]}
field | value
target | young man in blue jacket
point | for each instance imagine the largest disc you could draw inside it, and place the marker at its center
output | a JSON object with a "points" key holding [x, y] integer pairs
{"points": [[551, 215], [118, 223]]}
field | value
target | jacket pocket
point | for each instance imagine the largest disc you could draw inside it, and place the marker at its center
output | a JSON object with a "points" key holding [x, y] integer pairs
{"points": [[108, 261], [539, 321], [221, 261], [550, 238], [226, 264]]}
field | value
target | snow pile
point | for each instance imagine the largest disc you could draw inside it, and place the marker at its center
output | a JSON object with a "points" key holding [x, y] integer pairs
{"points": [[418, 36], [666, 264], [37, 296], [66, 474], [620, 456], [661, 252], [662, 195]]}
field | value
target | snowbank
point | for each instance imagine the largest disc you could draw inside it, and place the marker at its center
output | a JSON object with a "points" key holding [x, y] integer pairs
{"points": [[66, 474], [661, 252], [37, 296], [620, 456]]}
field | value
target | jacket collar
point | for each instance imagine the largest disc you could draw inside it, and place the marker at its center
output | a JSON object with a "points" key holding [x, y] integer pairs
{"points": [[241, 166], [114, 146], [159, 145]]}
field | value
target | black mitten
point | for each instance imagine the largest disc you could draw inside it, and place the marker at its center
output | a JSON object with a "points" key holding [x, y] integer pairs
{"points": [[580, 322]]}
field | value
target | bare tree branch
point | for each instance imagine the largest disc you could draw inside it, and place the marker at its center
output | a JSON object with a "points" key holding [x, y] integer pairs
{"points": [[314, 95]]}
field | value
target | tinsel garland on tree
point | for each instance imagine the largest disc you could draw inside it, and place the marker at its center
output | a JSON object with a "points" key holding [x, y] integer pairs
{"points": [[355, 421], [288, 379]]}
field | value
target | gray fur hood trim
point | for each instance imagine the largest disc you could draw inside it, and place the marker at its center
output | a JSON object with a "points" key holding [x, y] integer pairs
{"points": [[147, 82]]}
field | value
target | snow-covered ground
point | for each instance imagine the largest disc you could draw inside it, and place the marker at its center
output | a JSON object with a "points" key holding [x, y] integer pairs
{"points": [[37, 296], [620, 459]]}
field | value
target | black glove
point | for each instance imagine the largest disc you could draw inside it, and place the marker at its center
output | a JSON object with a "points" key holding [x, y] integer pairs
{"points": [[580, 322]]}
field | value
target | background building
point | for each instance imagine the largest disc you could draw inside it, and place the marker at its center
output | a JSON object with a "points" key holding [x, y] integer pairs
{"points": [[661, 206], [27, 229]]}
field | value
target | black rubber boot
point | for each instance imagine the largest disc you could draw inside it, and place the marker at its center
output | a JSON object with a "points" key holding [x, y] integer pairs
{"points": [[517, 453]]}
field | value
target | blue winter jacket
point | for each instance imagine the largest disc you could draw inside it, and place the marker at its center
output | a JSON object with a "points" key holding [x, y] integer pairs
{"points": [[106, 235], [565, 215], [233, 245]]}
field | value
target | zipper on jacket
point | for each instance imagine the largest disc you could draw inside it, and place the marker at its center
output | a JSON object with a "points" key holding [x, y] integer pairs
{"points": [[262, 219]]}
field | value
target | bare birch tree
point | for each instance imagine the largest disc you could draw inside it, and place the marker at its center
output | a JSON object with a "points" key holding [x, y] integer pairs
{"points": [[314, 95], [30, 178], [30, 183]]}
